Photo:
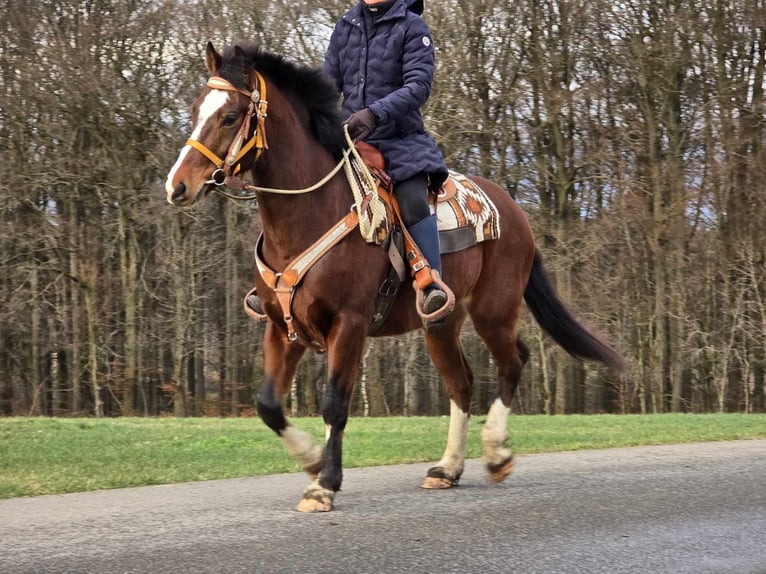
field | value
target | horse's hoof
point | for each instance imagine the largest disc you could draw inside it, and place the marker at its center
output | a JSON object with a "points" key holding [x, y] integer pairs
{"points": [[499, 472], [312, 505], [437, 483], [316, 500]]}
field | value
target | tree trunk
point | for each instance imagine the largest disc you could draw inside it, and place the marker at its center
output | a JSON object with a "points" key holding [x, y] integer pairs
{"points": [[182, 304], [35, 383], [413, 399], [90, 320], [130, 293], [363, 391], [545, 380]]}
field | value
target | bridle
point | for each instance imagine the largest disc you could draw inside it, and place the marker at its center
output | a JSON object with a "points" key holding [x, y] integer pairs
{"points": [[225, 175], [240, 146]]}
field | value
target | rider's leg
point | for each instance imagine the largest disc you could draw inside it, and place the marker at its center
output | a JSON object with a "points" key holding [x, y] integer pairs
{"points": [[412, 195]]}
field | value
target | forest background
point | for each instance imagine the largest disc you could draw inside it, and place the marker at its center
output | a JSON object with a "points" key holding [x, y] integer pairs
{"points": [[630, 132]]}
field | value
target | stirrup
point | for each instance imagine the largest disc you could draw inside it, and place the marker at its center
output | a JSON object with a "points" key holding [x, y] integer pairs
{"points": [[434, 300], [441, 311], [254, 306]]}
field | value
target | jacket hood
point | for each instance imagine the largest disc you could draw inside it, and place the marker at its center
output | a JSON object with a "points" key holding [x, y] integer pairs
{"points": [[415, 6]]}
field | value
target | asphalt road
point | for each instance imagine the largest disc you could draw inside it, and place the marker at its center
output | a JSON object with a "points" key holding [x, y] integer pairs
{"points": [[693, 509]]}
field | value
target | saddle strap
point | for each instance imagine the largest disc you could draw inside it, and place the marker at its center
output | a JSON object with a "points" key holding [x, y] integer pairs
{"points": [[284, 283], [421, 270], [389, 289]]}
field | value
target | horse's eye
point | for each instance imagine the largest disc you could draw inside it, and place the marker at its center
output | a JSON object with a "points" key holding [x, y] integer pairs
{"points": [[229, 120]]}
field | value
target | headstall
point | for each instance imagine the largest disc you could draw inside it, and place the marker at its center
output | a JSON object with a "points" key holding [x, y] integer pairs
{"points": [[239, 147]]}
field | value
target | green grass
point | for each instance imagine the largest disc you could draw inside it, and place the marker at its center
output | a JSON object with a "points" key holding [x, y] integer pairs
{"points": [[46, 456]]}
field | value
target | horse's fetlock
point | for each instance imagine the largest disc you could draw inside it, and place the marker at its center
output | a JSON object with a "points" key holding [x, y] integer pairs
{"points": [[331, 480]]}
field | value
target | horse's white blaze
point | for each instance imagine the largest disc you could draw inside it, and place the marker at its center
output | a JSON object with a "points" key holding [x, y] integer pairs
{"points": [[495, 432], [454, 455], [213, 102]]}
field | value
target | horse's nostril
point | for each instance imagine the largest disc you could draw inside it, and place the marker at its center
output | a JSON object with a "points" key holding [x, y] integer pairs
{"points": [[179, 191]]}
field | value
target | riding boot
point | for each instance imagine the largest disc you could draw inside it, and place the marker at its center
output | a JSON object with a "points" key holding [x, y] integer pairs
{"points": [[425, 233]]}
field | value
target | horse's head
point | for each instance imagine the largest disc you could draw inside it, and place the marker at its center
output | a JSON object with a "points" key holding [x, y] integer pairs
{"points": [[228, 128]]}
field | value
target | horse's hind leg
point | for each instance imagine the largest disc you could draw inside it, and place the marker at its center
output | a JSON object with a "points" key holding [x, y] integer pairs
{"points": [[280, 363], [447, 355], [510, 356]]}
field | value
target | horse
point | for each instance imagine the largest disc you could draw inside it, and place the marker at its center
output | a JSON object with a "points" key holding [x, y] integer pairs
{"points": [[280, 122]]}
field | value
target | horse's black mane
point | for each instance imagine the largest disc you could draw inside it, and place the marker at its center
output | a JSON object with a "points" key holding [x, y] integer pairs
{"points": [[308, 84]]}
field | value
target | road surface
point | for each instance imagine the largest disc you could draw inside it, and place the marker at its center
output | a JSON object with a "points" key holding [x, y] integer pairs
{"points": [[694, 509]]}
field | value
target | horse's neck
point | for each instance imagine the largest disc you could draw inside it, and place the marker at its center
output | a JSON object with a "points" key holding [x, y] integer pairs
{"points": [[291, 223]]}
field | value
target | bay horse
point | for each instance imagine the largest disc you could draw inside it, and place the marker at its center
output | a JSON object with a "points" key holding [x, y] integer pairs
{"points": [[297, 145]]}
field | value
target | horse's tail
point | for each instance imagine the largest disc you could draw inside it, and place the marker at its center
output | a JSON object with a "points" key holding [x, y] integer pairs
{"points": [[556, 320]]}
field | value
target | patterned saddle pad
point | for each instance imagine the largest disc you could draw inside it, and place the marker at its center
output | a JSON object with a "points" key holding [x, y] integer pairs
{"points": [[465, 215]]}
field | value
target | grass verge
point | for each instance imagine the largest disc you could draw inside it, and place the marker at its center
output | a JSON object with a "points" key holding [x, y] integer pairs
{"points": [[47, 456]]}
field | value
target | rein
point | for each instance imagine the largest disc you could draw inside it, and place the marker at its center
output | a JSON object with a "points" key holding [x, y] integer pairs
{"points": [[235, 183]]}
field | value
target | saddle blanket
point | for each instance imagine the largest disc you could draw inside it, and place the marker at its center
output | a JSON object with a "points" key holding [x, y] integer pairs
{"points": [[464, 213]]}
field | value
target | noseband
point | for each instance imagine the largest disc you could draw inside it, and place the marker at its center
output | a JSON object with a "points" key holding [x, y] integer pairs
{"points": [[239, 148]]}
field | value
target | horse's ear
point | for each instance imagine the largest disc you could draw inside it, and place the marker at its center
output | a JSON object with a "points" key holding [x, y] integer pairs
{"points": [[212, 59]]}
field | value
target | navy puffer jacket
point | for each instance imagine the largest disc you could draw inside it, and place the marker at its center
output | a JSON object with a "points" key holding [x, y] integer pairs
{"points": [[389, 69]]}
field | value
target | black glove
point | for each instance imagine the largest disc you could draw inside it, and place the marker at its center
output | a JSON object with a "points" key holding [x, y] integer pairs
{"points": [[360, 124]]}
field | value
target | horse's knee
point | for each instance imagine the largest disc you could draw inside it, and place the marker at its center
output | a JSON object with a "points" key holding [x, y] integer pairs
{"points": [[270, 408]]}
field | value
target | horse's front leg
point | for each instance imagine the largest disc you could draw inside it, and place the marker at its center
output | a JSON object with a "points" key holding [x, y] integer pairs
{"points": [[280, 363], [344, 352]]}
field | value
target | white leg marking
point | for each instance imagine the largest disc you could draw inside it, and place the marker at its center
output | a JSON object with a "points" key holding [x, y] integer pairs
{"points": [[213, 102], [454, 455], [299, 444], [495, 432]]}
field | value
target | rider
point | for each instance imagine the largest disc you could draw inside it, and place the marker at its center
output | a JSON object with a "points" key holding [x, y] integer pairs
{"points": [[381, 58]]}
